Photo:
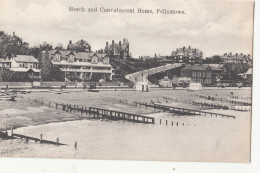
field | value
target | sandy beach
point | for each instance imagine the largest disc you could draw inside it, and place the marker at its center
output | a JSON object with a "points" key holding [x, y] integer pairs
{"points": [[195, 139]]}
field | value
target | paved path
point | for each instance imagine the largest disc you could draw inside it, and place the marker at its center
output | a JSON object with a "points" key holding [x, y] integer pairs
{"points": [[142, 75]]}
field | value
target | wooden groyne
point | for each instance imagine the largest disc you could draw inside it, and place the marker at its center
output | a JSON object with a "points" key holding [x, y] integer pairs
{"points": [[172, 109], [111, 114], [40, 140], [185, 111], [208, 105], [235, 102], [201, 104], [96, 113], [13, 135]]}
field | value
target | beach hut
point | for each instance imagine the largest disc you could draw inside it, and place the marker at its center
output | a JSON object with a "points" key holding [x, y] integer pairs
{"points": [[142, 86], [195, 86]]}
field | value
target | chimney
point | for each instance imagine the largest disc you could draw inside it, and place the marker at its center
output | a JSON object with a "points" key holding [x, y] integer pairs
{"points": [[183, 48], [13, 34], [101, 50], [236, 54], [113, 42], [189, 47], [241, 53], [98, 51], [70, 42], [119, 43], [106, 43], [230, 53]]}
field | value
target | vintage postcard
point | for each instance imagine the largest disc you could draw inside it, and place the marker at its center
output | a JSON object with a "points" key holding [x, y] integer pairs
{"points": [[151, 80]]}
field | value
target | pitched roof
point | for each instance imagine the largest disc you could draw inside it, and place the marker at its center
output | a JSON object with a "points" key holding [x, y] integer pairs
{"points": [[249, 71], [78, 55], [25, 58]]}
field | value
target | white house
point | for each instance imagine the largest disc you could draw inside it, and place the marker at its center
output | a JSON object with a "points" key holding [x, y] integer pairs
{"points": [[82, 65], [26, 64]]}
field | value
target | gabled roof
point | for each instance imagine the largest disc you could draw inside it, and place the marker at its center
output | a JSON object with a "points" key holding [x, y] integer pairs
{"points": [[25, 58], [78, 55]]}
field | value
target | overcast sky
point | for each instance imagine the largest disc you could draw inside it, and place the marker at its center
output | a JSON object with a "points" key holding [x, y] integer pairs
{"points": [[212, 26]]}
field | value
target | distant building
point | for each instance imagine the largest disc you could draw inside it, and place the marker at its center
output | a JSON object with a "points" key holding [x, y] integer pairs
{"points": [[177, 80], [79, 46], [248, 75], [236, 58], [156, 58], [120, 50], [25, 64], [82, 65], [165, 82], [198, 73], [187, 55]]}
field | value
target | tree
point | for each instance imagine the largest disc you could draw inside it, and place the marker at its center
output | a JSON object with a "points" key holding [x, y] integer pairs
{"points": [[231, 70], [5, 74], [12, 44], [217, 59], [48, 71]]}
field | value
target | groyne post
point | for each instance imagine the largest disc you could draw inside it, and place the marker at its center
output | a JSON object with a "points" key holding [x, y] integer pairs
{"points": [[40, 138], [75, 145], [12, 131], [57, 141]]}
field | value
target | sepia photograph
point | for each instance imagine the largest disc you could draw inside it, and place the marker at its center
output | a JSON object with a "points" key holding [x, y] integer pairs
{"points": [[139, 80]]}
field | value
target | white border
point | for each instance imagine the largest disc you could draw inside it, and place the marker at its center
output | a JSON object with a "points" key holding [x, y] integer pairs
{"points": [[11, 165]]}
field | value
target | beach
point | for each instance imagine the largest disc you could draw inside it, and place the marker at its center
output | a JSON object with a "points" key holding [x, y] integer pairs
{"points": [[196, 138]]}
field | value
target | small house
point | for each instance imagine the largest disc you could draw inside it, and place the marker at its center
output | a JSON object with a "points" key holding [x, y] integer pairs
{"points": [[165, 83], [142, 86]]}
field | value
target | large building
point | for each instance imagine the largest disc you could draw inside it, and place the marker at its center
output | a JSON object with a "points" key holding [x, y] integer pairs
{"points": [[23, 64], [80, 46], [120, 50], [187, 55], [236, 58], [198, 73], [83, 65]]}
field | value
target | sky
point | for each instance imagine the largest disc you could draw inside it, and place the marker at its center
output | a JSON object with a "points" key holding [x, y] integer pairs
{"points": [[213, 26]]}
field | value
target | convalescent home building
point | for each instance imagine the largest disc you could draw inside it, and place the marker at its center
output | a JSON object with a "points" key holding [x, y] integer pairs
{"points": [[82, 65], [236, 58], [198, 73], [187, 55], [26, 64], [120, 50]]}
